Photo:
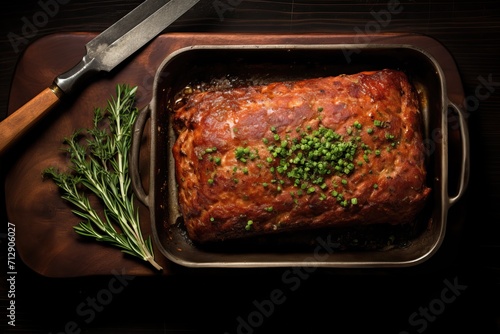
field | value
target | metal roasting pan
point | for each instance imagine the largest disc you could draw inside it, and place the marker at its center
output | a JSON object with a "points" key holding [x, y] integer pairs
{"points": [[431, 70]]}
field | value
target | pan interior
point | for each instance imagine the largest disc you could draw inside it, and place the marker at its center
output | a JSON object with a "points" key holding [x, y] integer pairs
{"points": [[231, 66]]}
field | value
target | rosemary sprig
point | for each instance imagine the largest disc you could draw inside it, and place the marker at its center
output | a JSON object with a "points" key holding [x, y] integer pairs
{"points": [[100, 165]]}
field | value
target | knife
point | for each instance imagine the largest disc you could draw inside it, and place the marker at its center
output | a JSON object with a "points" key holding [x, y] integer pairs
{"points": [[103, 53]]}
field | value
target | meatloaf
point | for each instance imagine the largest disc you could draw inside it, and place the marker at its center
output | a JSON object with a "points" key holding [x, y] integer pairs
{"points": [[288, 156]]}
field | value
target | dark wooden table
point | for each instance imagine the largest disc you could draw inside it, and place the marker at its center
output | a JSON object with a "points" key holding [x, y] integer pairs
{"points": [[457, 289]]}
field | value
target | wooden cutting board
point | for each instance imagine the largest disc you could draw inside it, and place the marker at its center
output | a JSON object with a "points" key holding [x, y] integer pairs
{"points": [[45, 238]]}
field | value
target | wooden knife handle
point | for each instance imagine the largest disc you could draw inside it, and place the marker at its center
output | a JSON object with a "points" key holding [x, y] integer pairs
{"points": [[16, 124]]}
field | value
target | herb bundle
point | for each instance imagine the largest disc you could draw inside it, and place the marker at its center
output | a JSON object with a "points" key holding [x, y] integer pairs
{"points": [[99, 165]]}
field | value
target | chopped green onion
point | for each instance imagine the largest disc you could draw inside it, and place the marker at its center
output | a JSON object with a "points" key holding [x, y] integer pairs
{"points": [[249, 225]]}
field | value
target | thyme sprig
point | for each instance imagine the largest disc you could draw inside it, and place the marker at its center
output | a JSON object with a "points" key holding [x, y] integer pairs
{"points": [[100, 165]]}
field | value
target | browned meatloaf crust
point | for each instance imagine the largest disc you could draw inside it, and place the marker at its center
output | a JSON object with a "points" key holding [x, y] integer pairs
{"points": [[286, 156]]}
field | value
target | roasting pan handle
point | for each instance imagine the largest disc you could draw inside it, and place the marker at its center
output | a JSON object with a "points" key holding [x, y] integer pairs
{"points": [[135, 176], [465, 163]]}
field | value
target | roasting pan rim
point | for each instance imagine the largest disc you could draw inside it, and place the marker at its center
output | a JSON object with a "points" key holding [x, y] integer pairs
{"points": [[218, 261]]}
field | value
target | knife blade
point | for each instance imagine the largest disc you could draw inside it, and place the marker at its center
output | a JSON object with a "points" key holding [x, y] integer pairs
{"points": [[103, 53]]}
